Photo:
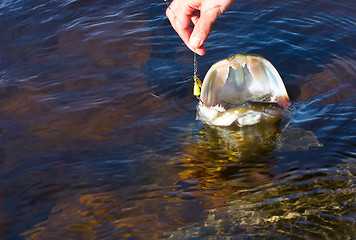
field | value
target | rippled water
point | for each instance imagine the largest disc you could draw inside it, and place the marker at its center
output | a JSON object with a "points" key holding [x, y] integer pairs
{"points": [[99, 138]]}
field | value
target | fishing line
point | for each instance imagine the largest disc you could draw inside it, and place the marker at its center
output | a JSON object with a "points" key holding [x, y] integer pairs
{"points": [[195, 65]]}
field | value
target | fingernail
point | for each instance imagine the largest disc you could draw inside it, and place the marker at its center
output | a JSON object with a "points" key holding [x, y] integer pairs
{"points": [[195, 42]]}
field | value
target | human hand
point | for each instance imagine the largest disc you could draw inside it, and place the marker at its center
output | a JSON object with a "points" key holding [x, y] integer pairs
{"points": [[202, 14]]}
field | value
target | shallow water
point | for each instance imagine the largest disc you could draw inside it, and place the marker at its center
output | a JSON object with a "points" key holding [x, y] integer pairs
{"points": [[99, 138]]}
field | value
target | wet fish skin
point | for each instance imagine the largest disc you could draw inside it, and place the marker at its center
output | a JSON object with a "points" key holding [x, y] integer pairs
{"points": [[248, 113]]}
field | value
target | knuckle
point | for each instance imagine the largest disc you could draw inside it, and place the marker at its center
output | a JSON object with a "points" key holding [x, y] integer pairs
{"points": [[202, 30]]}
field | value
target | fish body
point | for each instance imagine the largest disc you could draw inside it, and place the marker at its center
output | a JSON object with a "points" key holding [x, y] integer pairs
{"points": [[248, 113]]}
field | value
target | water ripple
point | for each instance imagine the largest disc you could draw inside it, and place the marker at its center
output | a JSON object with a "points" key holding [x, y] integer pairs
{"points": [[99, 138]]}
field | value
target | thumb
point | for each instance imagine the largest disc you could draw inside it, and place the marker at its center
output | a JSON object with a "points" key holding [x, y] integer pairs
{"points": [[203, 27]]}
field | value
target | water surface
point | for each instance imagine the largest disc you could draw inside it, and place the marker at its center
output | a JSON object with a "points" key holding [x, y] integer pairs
{"points": [[98, 137]]}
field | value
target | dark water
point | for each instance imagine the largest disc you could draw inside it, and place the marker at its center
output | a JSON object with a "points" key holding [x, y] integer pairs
{"points": [[98, 137]]}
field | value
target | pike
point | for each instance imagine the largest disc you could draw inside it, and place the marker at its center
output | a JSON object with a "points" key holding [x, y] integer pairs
{"points": [[243, 89]]}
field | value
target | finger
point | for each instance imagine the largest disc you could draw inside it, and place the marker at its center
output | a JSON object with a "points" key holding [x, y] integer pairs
{"points": [[181, 15], [180, 20], [203, 26], [195, 17], [201, 50]]}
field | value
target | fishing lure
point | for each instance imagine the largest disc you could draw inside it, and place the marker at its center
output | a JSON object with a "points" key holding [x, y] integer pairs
{"points": [[197, 81]]}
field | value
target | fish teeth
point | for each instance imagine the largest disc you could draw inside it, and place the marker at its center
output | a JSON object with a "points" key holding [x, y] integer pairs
{"points": [[219, 108]]}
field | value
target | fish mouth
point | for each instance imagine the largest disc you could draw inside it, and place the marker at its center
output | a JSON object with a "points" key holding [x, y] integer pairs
{"points": [[245, 89]]}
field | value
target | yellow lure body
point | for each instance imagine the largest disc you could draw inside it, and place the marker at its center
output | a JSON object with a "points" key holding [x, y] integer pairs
{"points": [[197, 86]]}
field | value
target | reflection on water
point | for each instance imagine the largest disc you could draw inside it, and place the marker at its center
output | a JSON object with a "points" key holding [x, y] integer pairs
{"points": [[99, 138]]}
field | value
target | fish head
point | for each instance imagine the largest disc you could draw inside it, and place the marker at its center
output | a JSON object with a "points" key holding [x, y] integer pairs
{"points": [[243, 89]]}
